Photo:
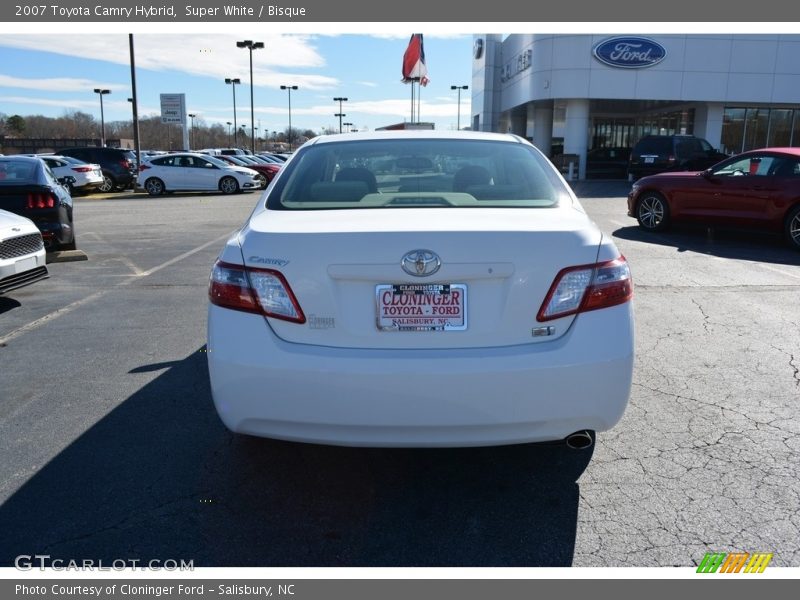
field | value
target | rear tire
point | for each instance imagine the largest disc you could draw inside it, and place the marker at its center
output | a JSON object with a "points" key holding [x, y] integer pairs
{"points": [[70, 246], [108, 184], [792, 227], [652, 212], [228, 185], [154, 186]]}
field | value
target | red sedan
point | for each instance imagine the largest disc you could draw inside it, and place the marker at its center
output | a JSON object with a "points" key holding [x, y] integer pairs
{"points": [[759, 189], [268, 170]]}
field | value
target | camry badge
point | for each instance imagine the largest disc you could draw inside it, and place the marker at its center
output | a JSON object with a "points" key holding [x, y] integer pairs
{"points": [[421, 263]]}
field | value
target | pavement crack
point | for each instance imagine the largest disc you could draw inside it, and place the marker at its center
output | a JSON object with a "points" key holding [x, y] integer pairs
{"points": [[702, 312]]}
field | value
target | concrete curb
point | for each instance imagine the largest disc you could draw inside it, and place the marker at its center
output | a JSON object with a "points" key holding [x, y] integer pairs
{"points": [[66, 256]]}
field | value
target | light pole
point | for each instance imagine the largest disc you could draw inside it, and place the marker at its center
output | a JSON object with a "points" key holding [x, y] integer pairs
{"points": [[289, 89], [255, 134], [191, 133], [459, 88], [102, 116], [229, 132], [251, 45], [340, 114], [233, 83], [348, 125]]}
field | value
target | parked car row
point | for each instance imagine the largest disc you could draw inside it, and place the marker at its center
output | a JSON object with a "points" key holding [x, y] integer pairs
{"points": [[652, 154]]}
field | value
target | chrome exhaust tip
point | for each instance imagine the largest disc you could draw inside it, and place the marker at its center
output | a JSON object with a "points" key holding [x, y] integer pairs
{"points": [[580, 440]]}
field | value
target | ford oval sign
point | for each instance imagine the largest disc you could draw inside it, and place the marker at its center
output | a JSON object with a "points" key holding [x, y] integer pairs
{"points": [[630, 52]]}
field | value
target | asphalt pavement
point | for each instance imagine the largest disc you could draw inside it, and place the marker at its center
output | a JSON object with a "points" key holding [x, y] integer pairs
{"points": [[112, 449]]}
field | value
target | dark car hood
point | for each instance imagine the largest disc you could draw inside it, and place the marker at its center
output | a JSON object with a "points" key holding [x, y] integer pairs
{"points": [[670, 175]]}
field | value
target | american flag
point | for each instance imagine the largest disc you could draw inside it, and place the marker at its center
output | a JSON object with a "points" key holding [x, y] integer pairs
{"points": [[414, 68]]}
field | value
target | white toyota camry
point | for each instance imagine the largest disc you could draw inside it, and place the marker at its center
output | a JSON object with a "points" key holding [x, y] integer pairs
{"points": [[420, 289]]}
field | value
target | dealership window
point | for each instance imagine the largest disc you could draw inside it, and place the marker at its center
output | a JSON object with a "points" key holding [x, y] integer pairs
{"points": [[756, 127], [755, 132], [780, 127]]}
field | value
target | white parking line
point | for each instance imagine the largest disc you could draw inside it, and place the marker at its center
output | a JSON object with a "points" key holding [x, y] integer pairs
{"points": [[781, 271], [78, 303]]}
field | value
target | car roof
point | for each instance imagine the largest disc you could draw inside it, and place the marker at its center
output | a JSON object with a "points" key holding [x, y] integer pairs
{"points": [[781, 150], [11, 157], [417, 134]]}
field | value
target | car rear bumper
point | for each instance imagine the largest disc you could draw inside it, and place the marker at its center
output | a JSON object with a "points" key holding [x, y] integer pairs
{"points": [[267, 387]]}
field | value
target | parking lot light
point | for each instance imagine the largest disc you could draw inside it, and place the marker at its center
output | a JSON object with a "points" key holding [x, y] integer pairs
{"points": [[251, 45], [102, 93], [233, 82], [289, 89]]}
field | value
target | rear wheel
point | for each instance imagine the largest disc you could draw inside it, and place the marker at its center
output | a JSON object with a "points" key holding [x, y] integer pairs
{"points": [[154, 186], [108, 184], [228, 185], [652, 212], [792, 227], [70, 246]]}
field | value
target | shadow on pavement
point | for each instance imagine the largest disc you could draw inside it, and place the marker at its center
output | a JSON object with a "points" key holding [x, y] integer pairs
{"points": [[734, 244], [160, 478], [7, 304], [601, 188]]}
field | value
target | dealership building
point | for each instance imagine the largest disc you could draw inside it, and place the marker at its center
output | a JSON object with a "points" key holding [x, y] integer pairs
{"points": [[569, 94]]}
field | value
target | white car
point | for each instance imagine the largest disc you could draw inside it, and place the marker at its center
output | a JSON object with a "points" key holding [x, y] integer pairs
{"points": [[22, 254], [420, 289], [88, 176], [189, 171]]}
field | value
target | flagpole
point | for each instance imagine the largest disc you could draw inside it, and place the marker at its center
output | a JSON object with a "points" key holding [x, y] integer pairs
{"points": [[412, 100], [419, 96]]}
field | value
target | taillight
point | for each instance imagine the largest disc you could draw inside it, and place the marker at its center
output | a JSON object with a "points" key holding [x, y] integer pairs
{"points": [[143, 167], [261, 291], [40, 200], [587, 287], [82, 169]]}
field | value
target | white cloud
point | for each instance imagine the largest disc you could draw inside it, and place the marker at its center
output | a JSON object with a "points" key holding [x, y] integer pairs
{"points": [[57, 84], [91, 106], [371, 84], [399, 108], [213, 56]]}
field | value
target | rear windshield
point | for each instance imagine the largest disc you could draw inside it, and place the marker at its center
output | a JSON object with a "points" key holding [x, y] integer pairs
{"points": [[17, 171], [397, 173]]}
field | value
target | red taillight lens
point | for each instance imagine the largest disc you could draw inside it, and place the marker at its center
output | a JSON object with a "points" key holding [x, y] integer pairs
{"points": [[82, 169], [143, 167], [262, 291], [587, 287], [40, 200], [125, 163]]}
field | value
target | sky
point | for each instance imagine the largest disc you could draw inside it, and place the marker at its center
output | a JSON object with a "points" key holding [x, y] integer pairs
{"points": [[55, 73]]}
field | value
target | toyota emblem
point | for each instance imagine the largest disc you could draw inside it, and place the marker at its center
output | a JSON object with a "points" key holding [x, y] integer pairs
{"points": [[421, 263]]}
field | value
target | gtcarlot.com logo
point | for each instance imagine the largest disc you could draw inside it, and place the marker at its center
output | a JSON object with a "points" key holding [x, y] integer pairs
{"points": [[735, 562], [27, 562]]}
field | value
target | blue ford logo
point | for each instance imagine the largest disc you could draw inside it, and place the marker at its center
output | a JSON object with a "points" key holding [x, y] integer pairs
{"points": [[630, 52]]}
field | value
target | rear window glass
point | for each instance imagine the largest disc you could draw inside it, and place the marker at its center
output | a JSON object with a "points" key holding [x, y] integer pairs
{"points": [[658, 146], [415, 173], [17, 171]]}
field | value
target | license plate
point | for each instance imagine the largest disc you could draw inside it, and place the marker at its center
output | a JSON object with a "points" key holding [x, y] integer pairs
{"points": [[422, 307], [649, 159], [26, 264]]}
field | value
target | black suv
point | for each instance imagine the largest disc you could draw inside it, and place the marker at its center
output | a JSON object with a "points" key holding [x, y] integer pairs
{"points": [[658, 153], [118, 165]]}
